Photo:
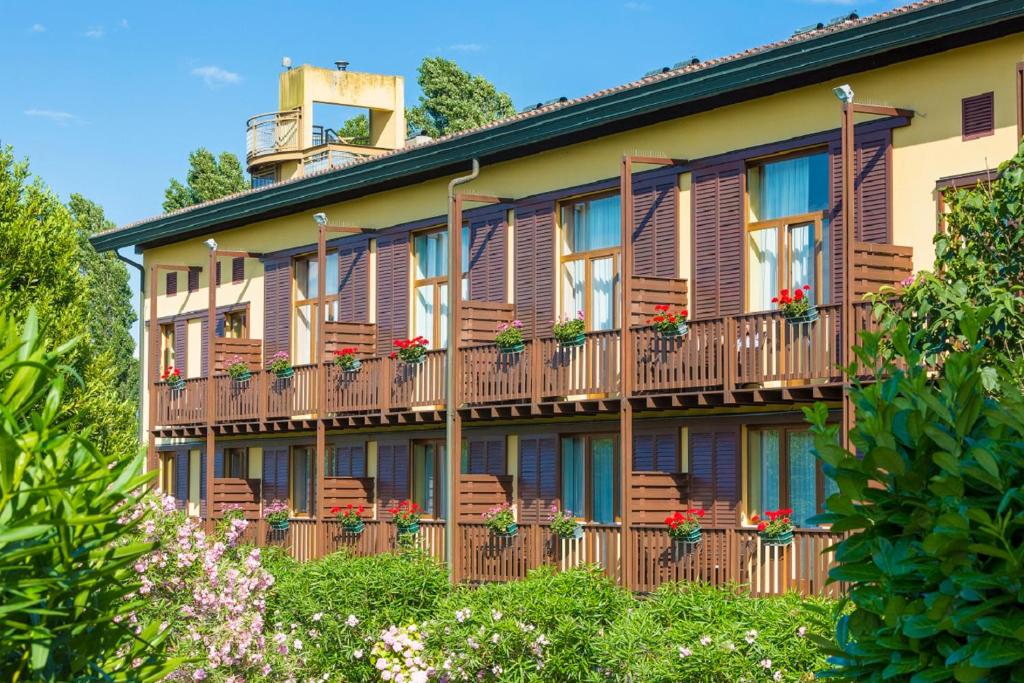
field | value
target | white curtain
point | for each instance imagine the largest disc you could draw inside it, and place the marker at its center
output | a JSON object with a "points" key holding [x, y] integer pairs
{"points": [[602, 314], [603, 480], [424, 313], [572, 287], [794, 186], [572, 475], [442, 340], [802, 477], [769, 489], [596, 225], [801, 245], [304, 332], [764, 268], [431, 254]]}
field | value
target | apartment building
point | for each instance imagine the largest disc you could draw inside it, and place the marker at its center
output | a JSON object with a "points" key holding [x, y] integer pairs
{"points": [[709, 185]]}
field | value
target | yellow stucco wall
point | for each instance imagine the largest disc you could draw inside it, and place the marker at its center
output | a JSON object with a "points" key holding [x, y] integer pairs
{"points": [[930, 148]]}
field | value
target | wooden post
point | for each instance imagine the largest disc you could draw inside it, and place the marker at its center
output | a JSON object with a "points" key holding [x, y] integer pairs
{"points": [[211, 389], [849, 227], [626, 374], [154, 373], [453, 549]]}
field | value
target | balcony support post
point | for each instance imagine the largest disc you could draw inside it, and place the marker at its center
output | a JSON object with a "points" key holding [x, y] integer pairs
{"points": [[211, 386], [152, 361], [321, 385], [626, 374]]}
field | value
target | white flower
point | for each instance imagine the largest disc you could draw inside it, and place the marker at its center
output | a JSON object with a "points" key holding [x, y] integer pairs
{"points": [[751, 636], [297, 644], [462, 614], [495, 614], [777, 676], [766, 663], [318, 616], [684, 651], [802, 631], [358, 654], [705, 640], [729, 645], [352, 621]]}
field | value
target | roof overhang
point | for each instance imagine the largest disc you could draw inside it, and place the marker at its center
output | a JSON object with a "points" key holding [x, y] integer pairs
{"points": [[927, 30]]}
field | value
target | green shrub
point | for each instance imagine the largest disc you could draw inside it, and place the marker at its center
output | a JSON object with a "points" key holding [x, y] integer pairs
{"points": [[694, 632], [378, 591], [68, 592], [936, 507]]}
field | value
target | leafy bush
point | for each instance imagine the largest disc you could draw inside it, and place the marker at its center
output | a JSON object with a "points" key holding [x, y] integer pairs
{"points": [[936, 560], [67, 589], [694, 632]]}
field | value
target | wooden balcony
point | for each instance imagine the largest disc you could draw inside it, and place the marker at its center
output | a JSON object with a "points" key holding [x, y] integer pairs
{"points": [[755, 357]]}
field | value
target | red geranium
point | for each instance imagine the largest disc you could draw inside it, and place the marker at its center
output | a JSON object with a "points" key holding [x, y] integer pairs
{"points": [[681, 524], [410, 350]]}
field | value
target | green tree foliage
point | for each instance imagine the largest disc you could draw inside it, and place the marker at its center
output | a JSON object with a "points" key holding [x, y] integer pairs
{"points": [[979, 273], [208, 178], [67, 587], [935, 504], [356, 130], [46, 262], [454, 100]]}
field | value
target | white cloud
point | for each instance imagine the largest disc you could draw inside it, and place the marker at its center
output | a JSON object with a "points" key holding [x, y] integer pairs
{"points": [[61, 118], [466, 47], [38, 28], [95, 32], [637, 6], [214, 76]]}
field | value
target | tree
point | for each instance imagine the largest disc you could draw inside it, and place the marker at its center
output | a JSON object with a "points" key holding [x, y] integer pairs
{"points": [[454, 100], [68, 591], [208, 178], [356, 130], [47, 263]]}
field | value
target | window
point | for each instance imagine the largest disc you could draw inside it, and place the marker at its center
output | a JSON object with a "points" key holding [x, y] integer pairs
{"points": [[167, 472], [783, 473], [263, 179], [306, 289], [591, 246], [236, 463], [430, 284], [172, 284], [234, 324], [167, 340], [787, 233], [427, 473], [590, 477], [237, 269], [300, 476]]}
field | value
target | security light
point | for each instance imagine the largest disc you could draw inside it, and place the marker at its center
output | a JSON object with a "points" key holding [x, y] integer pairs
{"points": [[320, 218], [286, 62], [211, 244], [844, 92]]}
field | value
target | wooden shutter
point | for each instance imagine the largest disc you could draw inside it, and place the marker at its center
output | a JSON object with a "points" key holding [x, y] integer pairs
{"points": [[978, 116], [714, 473], [181, 479], [204, 343], [487, 268], [275, 474], [656, 452], [218, 272], [172, 283], [218, 463], [277, 304], [487, 456], [181, 345], [353, 281], [202, 481], [538, 477], [392, 291], [718, 238], [872, 197], [535, 267], [655, 226], [193, 279], [392, 475], [237, 269], [347, 460]]}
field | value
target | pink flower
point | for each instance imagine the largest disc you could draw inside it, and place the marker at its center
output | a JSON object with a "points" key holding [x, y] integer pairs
{"points": [[684, 651]]}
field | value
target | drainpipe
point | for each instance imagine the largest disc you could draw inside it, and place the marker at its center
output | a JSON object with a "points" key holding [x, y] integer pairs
{"points": [[453, 423], [139, 346]]}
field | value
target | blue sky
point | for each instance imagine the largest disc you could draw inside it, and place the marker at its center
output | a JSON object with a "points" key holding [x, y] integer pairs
{"points": [[108, 98]]}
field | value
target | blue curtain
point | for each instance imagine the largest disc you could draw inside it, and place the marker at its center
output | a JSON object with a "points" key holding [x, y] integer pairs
{"points": [[603, 480], [802, 477], [572, 475], [769, 446], [596, 224]]}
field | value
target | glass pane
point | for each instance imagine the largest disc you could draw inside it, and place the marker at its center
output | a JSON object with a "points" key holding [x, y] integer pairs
{"points": [[793, 186], [300, 481], [801, 255], [572, 476], [763, 273], [573, 283], [465, 248], [803, 490], [602, 314], [595, 225], [603, 480], [304, 333], [442, 463], [423, 314], [331, 284], [442, 337], [769, 471], [431, 250], [422, 475], [310, 286]]}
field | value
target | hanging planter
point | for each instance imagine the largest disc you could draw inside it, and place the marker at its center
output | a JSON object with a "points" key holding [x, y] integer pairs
{"points": [[410, 351], [809, 316], [778, 530], [684, 527], [569, 332], [564, 524], [797, 307], [509, 338], [693, 537], [280, 525], [281, 365], [350, 518], [346, 361], [407, 518], [777, 540], [410, 529], [501, 520], [239, 371], [668, 324], [276, 514], [172, 376], [572, 342]]}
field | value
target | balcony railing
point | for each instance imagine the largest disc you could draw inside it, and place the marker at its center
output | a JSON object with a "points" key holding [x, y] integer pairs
{"points": [[272, 133]]}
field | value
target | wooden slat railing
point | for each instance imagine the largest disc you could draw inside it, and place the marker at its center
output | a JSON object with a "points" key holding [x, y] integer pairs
{"points": [[335, 538], [490, 376], [487, 558], [601, 544], [693, 361], [239, 401], [236, 492], [770, 349], [589, 370], [183, 406], [355, 392], [293, 396], [419, 385], [227, 348]]}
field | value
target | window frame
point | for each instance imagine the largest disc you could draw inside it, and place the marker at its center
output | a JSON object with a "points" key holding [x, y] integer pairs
{"points": [[229, 316], [588, 489], [330, 300], [230, 455], [168, 343], [436, 282], [588, 257], [783, 225], [167, 473], [784, 495], [440, 447], [309, 452]]}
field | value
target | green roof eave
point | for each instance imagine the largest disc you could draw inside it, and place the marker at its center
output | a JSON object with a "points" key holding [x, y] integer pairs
{"points": [[900, 32]]}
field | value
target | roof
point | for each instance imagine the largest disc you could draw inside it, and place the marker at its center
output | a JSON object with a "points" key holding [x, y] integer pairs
{"points": [[807, 57]]}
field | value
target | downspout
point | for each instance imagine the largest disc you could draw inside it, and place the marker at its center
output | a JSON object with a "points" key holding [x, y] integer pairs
{"points": [[139, 346], [453, 426]]}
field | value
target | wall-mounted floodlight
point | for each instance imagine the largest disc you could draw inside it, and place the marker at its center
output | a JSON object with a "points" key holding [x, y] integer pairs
{"points": [[320, 218], [211, 244], [844, 93], [286, 62]]}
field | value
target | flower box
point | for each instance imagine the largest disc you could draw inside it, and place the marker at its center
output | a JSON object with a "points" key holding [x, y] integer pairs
{"points": [[276, 514], [809, 316], [407, 518], [797, 307], [242, 378], [501, 520], [280, 364], [410, 351], [510, 531], [354, 529], [572, 342], [172, 376], [679, 330], [346, 361], [782, 539], [684, 527], [285, 373], [569, 332], [279, 524], [408, 529], [692, 537], [669, 324], [510, 337], [512, 348], [777, 530], [350, 518]]}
